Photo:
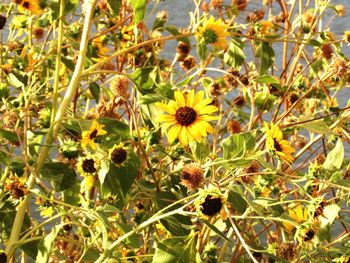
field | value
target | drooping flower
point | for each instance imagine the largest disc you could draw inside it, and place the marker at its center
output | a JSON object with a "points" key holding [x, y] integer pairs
{"points": [[187, 117], [276, 145], [88, 137], [299, 214], [32, 5], [213, 32], [118, 154]]}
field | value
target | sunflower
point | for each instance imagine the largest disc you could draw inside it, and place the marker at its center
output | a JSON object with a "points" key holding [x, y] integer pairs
{"points": [[187, 116], [100, 45], [88, 137], [88, 165], [210, 203], [276, 144], [299, 214], [32, 5], [118, 154], [213, 32]]}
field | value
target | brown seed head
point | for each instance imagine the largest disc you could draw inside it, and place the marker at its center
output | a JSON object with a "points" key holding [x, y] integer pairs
{"points": [[232, 77], [120, 86], [38, 33], [183, 50], [192, 176], [239, 101], [327, 51], [234, 127], [189, 63]]}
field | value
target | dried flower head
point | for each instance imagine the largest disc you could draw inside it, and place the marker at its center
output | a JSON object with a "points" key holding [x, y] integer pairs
{"points": [[183, 50], [120, 86], [239, 101], [3, 257], [188, 63], [16, 187], [241, 5], [38, 33], [287, 251], [327, 51], [234, 126], [231, 79], [192, 176], [255, 16], [2, 21]]}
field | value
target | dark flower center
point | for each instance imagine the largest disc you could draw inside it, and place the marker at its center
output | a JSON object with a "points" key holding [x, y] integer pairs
{"points": [[185, 116], [17, 193], [93, 134], [185, 175], [89, 166], [211, 206], [210, 36], [309, 235], [277, 145], [119, 155], [3, 257], [26, 4]]}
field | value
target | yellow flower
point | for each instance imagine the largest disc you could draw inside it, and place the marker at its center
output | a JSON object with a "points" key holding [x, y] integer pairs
{"points": [[98, 43], [88, 137], [87, 183], [187, 117], [266, 27], [213, 32], [32, 5], [210, 203], [88, 165], [299, 214], [276, 144], [347, 36]]}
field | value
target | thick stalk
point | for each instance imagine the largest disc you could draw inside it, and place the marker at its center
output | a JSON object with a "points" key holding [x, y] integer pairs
{"points": [[73, 85]]}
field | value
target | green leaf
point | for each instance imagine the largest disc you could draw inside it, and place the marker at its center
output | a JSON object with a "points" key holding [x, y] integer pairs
{"points": [[71, 5], [95, 91], [114, 5], [116, 129], [314, 42], [173, 30], [60, 175], [335, 157], [200, 150], [317, 126], [235, 56], [176, 250], [31, 248], [9, 135], [267, 79], [72, 195], [236, 200], [46, 245], [139, 7], [216, 230], [266, 55], [202, 50], [236, 145], [119, 180], [151, 98], [142, 80]]}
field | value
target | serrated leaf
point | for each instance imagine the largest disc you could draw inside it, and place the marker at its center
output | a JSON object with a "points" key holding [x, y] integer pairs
{"points": [[335, 157], [142, 80], [237, 144], [267, 79], [317, 126], [266, 55], [95, 91], [235, 56], [139, 7], [46, 245], [114, 5], [237, 202], [176, 250], [60, 175]]}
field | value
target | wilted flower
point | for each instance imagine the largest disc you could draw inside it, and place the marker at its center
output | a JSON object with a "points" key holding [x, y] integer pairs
{"points": [[120, 86], [187, 117], [210, 202], [188, 63], [299, 214]]}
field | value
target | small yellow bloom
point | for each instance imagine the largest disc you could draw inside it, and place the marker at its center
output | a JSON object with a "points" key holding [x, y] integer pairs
{"points": [[102, 50], [266, 27], [88, 137], [187, 117], [118, 154], [213, 32], [340, 9], [299, 214], [276, 145], [347, 36], [88, 165], [33, 6]]}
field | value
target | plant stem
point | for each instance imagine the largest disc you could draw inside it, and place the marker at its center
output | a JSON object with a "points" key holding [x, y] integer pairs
{"points": [[73, 85]]}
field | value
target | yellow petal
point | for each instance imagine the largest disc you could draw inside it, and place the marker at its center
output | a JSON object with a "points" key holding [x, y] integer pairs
{"points": [[179, 97], [202, 104], [166, 118], [173, 133], [183, 136], [197, 98], [208, 109]]}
